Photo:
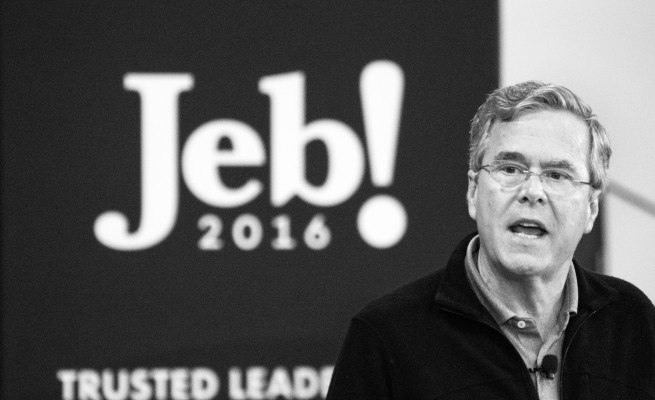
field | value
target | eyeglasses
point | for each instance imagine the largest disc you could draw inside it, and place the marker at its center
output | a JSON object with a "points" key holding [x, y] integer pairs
{"points": [[513, 175]]}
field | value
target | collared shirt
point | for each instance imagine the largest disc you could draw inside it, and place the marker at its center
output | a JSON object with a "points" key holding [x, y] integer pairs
{"points": [[521, 330]]}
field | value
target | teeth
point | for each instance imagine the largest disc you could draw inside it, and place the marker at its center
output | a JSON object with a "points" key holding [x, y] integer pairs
{"points": [[525, 235], [531, 231]]}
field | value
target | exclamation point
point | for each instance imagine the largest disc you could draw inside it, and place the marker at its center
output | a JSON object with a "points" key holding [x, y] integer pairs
{"points": [[382, 219]]}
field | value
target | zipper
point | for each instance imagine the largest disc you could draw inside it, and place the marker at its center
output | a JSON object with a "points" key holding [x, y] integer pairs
{"points": [[566, 351]]}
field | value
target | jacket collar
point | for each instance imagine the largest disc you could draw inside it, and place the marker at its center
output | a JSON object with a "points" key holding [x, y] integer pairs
{"points": [[456, 295]]}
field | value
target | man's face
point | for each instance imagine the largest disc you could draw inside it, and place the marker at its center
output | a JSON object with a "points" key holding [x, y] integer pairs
{"points": [[528, 230]]}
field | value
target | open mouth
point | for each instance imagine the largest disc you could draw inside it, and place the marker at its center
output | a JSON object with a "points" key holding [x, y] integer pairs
{"points": [[528, 230]]}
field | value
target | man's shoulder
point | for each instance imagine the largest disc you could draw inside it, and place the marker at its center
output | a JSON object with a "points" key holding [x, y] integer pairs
{"points": [[410, 299], [416, 300], [625, 292]]}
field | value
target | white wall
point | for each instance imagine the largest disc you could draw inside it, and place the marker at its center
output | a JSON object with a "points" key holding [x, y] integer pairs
{"points": [[603, 50]]}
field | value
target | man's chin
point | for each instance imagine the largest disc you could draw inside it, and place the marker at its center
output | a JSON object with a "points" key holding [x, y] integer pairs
{"points": [[526, 265]]}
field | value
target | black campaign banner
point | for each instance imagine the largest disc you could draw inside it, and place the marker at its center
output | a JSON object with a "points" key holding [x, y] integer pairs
{"points": [[197, 197]]}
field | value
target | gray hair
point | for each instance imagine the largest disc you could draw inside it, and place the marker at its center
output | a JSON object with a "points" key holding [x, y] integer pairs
{"points": [[509, 103]]}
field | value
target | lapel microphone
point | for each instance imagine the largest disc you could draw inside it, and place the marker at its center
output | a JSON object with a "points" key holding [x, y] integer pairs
{"points": [[548, 366]]}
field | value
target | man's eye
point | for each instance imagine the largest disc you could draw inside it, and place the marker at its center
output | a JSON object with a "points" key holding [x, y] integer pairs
{"points": [[509, 169], [556, 175]]}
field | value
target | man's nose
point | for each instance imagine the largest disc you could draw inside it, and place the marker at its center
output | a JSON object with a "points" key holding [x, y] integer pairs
{"points": [[532, 190]]}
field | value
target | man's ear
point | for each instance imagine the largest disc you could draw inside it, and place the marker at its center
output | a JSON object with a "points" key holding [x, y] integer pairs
{"points": [[472, 193], [594, 208]]}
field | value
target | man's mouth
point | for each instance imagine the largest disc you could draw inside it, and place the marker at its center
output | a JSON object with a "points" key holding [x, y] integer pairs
{"points": [[528, 229]]}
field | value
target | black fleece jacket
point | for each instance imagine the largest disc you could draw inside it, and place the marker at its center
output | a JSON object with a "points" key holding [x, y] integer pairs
{"points": [[432, 339]]}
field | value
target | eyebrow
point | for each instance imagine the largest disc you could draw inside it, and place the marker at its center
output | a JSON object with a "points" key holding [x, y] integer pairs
{"points": [[511, 156], [557, 163]]}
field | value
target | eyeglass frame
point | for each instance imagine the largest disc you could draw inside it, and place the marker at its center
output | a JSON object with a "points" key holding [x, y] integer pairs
{"points": [[527, 173]]}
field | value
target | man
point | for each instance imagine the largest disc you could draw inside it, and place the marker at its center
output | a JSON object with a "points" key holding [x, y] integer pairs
{"points": [[512, 315]]}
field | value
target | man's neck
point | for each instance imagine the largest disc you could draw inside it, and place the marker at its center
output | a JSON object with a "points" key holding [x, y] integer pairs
{"points": [[535, 296]]}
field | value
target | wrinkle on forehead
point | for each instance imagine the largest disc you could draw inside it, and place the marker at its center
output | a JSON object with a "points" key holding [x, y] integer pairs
{"points": [[532, 137]]}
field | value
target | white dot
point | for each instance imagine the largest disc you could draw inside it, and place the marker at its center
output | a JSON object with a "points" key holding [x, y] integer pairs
{"points": [[382, 221]]}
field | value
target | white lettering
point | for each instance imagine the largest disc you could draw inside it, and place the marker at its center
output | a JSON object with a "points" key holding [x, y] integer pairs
{"points": [[179, 384], [247, 232], [317, 235], [140, 386], [279, 384], [122, 388], [326, 377], [88, 385], [381, 88], [235, 380], [160, 376], [289, 137], [253, 383], [67, 378], [204, 384], [159, 171], [283, 240], [228, 143], [202, 159], [306, 382], [256, 382]]}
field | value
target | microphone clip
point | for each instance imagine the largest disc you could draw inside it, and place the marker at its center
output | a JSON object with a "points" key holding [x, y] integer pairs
{"points": [[549, 374], [548, 366]]}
